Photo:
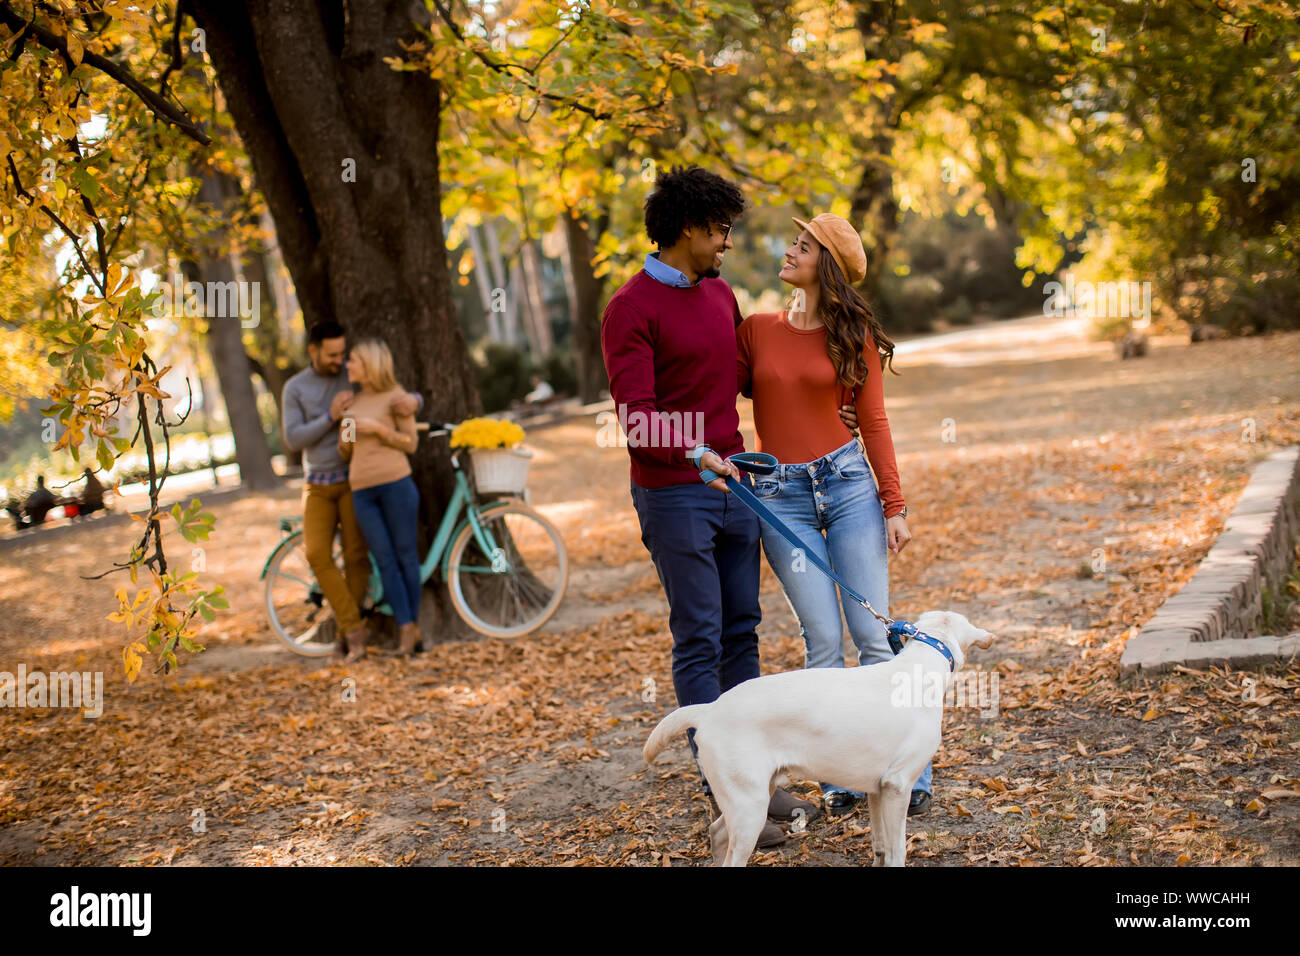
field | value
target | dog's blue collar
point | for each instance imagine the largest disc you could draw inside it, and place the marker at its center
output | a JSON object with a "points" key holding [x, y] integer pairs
{"points": [[938, 646], [900, 629]]}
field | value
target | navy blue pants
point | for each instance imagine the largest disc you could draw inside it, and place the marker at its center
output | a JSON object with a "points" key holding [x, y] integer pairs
{"points": [[389, 515], [704, 544]]}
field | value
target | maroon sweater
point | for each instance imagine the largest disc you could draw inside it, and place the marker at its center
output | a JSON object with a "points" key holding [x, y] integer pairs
{"points": [[671, 357]]}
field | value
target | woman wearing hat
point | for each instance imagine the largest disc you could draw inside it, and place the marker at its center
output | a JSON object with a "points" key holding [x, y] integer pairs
{"points": [[800, 365]]}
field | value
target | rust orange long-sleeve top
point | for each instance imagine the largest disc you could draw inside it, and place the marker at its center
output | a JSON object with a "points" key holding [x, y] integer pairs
{"points": [[797, 395]]}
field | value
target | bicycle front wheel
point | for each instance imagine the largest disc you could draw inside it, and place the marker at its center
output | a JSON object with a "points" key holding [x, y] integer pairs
{"points": [[514, 586], [295, 606]]}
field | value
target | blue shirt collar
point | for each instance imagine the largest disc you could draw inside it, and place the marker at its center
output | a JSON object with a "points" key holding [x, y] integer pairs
{"points": [[665, 273]]}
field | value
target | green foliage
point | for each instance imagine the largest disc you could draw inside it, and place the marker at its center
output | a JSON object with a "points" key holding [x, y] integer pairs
{"points": [[1172, 155], [557, 369], [503, 376], [193, 523]]}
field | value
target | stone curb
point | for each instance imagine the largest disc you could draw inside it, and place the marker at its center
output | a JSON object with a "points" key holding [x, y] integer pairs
{"points": [[1208, 620]]}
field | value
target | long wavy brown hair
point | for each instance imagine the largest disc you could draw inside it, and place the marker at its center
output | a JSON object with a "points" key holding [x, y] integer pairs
{"points": [[848, 320]]}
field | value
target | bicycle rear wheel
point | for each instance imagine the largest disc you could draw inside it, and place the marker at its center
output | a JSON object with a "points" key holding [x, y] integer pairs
{"points": [[295, 605], [516, 588]]}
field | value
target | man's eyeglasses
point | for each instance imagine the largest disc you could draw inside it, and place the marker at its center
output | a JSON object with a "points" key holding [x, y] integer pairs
{"points": [[725, 227]]}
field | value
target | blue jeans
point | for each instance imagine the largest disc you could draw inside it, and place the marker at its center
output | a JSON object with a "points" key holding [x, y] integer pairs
{"points": [[704, 544], [389, 515], [833, 505]]}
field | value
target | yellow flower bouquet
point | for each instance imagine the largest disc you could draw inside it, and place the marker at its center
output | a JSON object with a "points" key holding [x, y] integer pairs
{"points": [[486, 433], [499, 466]]}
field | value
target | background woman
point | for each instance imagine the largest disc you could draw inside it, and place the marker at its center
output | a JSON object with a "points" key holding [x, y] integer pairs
{"points": [[799, 366], [384, 495]]}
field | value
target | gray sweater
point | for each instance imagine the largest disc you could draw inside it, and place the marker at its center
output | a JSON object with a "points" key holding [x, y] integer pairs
{"points": [[307, 422]]}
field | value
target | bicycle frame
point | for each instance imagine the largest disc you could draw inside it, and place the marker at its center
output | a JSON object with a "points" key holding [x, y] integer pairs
{"points": [[462, 499], [439, 555]]}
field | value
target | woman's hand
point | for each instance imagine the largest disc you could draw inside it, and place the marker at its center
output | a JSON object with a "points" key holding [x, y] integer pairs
{"points": [[370, 426], [896, 533]]}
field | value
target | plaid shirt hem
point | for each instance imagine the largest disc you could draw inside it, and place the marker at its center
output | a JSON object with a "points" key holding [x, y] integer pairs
{"points": [[326, 477]]}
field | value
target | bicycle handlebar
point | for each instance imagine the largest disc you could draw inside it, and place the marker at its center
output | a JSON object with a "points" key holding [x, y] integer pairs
{"points": [[435, 429]]}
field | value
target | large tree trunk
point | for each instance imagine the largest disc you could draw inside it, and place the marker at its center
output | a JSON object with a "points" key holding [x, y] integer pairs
{"points": [[226, 346], [312, 99], [588, 359]]}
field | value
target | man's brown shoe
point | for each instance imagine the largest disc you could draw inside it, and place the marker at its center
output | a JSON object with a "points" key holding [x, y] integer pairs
{"points": [[789, 808], [357, 638], [771, 835]]}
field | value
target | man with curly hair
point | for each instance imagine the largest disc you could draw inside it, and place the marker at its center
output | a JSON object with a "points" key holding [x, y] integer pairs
{"points": [[669, 340]]}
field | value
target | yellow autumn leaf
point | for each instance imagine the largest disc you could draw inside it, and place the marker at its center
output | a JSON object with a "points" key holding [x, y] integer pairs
{"points": [[163, 614], [1151, 714], [132, 660], [75, 50]]}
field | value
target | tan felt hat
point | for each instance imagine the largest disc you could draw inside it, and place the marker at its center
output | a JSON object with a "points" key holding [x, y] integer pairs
{"points": [[839, 236]]}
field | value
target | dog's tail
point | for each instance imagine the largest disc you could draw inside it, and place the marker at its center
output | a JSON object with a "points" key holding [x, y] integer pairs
{"points": [[672, 725]]}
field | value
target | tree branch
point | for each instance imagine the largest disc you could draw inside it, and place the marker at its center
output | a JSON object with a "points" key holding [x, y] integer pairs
{"points": [[505, 68], [67, 230], [161, 108], [178, 54]]}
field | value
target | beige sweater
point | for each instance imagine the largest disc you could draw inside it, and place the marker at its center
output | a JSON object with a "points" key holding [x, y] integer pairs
{"points": [[380, 458]]}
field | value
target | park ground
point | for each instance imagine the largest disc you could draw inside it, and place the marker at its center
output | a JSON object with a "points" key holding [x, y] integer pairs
{"points": [[1058, 495]]}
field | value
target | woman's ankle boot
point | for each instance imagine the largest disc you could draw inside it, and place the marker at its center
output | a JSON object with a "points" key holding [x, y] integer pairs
{"points": [[410, 637]]}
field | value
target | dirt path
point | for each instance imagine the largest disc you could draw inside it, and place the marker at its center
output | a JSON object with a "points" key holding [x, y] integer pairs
{"points": [[1025, 466]]}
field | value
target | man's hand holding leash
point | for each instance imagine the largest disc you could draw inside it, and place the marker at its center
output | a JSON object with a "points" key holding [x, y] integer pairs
{"points": [[716, 463]]}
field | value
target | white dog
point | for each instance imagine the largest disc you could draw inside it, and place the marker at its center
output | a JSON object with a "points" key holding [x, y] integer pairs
{"points": [[870, 728]]}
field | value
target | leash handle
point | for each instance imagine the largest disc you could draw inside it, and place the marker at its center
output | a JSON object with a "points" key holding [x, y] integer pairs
{"points": [[754, 462]]}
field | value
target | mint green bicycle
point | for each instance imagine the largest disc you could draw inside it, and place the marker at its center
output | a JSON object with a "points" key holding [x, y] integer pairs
{"points": [[504, 564]]}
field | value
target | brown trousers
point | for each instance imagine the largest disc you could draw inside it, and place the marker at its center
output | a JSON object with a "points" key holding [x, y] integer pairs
{"points": [[324, 509]]}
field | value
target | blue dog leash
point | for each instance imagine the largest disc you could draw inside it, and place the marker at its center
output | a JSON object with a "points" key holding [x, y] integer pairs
{"points": [[761, 463]]}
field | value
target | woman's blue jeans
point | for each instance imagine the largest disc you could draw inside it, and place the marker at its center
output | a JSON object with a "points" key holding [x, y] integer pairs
{"points": [[389, 515], [833, 505]]}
